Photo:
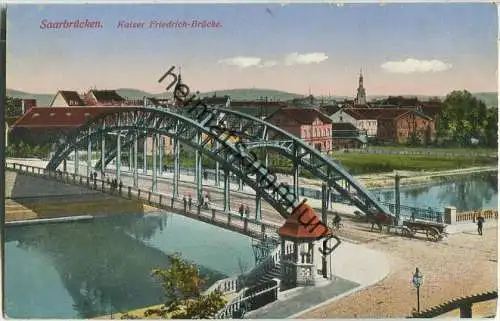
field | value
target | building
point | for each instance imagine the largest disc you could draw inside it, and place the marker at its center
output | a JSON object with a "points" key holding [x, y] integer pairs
{"points": [[361, 92], [45, 125], [65, 98], [402, 126], [21, 106], [346, 136], [96, 97], [309, 124], [364, 119]]}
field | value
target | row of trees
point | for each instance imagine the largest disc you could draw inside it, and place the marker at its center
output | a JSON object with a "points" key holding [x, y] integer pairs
{"points": [[25, 150], [464, 118]]}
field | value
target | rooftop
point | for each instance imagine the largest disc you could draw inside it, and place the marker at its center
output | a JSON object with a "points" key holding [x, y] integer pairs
{"points": [[303, 115]]}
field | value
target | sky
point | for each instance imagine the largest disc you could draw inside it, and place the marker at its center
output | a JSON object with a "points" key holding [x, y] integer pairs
{"points": [[428, 49]]}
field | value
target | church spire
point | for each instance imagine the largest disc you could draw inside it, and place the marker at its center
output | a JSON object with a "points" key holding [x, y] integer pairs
{"points": [[361, 93]]}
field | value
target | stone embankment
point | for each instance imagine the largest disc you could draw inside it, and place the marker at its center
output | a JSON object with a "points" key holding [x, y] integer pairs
{"points": [[31, 198]]}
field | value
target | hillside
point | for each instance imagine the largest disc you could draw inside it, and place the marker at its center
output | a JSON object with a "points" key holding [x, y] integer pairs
{"points": [[490, 98]]}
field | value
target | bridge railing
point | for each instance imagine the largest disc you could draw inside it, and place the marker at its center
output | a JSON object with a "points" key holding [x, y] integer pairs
{"points": [[242, 224], [471, 216], [429, 214]]}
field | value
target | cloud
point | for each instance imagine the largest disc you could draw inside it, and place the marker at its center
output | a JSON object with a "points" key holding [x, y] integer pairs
{"points": [[411, 65], [268, 64], [305, 59], [242, 62], [247, 62]]}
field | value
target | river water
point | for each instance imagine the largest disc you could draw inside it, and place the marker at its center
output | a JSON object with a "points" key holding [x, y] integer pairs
{"points": [[87, 269], [465, 193]]}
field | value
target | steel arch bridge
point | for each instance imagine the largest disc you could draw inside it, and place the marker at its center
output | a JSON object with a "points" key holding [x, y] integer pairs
{"points": [[208, 136]]}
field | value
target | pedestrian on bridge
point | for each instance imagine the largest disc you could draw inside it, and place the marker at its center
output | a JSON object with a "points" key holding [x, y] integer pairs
{"points": [[247, 211], [190, 202], [480, 222], [241, 210], [184, 199]]}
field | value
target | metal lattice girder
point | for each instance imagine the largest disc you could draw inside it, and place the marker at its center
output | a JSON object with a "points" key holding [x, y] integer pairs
{"points": [[253, 132], [226, 153]]}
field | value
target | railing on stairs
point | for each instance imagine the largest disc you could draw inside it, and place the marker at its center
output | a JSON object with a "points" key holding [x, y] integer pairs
{"points": [[254, 298]]}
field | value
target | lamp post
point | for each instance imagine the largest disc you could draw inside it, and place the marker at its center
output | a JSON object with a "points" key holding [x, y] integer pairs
{"points": [[418, 280]]}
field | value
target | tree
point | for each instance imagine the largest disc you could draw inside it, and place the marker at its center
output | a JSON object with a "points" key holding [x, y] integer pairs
{"points": [[463, 117], [184, 300], [12, 108]]}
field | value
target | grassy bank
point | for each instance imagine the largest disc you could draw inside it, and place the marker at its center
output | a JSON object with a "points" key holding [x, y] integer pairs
{"points": [[373, 163], [357, 163]]}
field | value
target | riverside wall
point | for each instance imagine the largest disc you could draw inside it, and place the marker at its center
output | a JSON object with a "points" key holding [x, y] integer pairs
{"points": [[28, 198]]}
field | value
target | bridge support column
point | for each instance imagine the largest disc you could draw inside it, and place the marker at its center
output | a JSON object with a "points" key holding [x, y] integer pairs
{"points": [[103, 153], [296, 171], [198, 170], [162, 151], [227, 205], [135, 169], [155, 168], [397, 196], [176, 152], [145, 156], [77, 161], [240, 181], [217, 168], [130, 158], [324, 219], [217, 172], [258, 206], [89, 154], [118, 153]]}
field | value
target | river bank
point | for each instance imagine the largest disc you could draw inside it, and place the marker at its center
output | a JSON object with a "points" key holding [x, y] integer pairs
{"points": [[409, 178]]}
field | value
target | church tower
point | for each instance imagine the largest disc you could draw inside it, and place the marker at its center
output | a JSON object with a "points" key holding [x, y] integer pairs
{"points": [[361, 95]]}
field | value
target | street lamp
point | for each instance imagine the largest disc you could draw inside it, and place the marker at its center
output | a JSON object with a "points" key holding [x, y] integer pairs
{"points": [[418, 280]]}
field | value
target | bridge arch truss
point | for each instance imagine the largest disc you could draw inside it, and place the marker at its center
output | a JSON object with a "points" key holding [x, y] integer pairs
{"points": [[208, 136]]}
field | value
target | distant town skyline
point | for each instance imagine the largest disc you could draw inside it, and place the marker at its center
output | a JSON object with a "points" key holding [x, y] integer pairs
{"points": [[410, 49]]}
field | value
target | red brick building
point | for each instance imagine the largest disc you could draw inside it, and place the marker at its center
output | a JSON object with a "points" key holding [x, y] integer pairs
{"points": [[309, 124], [401, 125]]}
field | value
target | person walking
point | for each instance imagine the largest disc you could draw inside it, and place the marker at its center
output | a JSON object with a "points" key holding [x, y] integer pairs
{"points": [[190, 202], [241, 210], [247, 211], [184, 199], [480, 222]]}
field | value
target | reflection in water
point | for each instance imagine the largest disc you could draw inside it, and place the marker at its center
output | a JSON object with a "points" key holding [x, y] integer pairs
{"points": [[466, 193], [86, 269]]}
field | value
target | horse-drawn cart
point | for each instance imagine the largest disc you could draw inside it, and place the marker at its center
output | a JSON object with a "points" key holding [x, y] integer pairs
{"points": [[434, 231]]}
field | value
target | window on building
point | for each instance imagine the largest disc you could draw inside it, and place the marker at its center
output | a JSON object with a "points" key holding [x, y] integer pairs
{"points": [[340, 118]]}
